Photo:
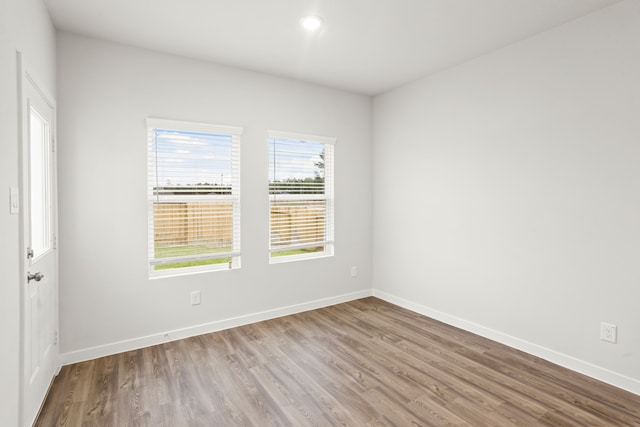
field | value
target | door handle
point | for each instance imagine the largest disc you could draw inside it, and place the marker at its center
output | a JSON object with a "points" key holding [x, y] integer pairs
{"points": [[37, 277]]}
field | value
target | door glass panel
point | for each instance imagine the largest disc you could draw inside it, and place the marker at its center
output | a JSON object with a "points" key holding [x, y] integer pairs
{"points": [[39, 167]]}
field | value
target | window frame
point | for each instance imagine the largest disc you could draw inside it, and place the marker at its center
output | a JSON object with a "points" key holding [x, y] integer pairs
{"points": [[328, 243], [40, 164], [235, 132]]}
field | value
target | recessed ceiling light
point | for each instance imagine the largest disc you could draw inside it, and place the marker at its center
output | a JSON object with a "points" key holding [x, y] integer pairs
{"points": [[311, 23]]}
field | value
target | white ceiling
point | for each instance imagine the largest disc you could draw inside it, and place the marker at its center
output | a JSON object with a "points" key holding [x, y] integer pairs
{"points": [[366, 46]]}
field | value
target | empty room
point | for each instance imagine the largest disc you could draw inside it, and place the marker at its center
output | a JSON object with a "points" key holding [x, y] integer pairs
{"points": [[319, 213]]}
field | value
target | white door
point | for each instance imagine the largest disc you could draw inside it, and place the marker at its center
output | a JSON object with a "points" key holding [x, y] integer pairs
{"points": [[40, 261]]}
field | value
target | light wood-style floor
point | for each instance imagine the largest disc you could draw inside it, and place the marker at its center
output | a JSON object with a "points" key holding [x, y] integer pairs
{"points": [[362, 363]]}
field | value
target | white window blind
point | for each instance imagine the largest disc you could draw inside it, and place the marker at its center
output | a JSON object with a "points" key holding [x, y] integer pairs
{"points": [[193, 197], [301, 196]]}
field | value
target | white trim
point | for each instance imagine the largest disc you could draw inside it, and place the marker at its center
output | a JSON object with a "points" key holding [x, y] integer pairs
{"points": [[327, 197], [154, 122], [187, 258], [294, 136], [593, 371], [219, 325], [184, 271], [188, 271], [566, 361], [26, 78], [50, 100]]}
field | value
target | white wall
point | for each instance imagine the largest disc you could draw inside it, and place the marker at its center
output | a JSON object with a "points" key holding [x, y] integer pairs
{"points": [[518, 179], [106, 92], [24, 26]]}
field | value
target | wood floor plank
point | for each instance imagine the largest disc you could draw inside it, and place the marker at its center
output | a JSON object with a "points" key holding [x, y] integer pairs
{"points": [[361, 363]]}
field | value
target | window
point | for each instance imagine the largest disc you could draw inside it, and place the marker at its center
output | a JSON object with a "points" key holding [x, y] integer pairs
{"points": [[193, 197], [40, 181], [301, 196]]}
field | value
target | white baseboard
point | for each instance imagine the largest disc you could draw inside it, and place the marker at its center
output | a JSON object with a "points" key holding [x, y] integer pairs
{"points": [[219, 325], [561, 359], [577, 365]]}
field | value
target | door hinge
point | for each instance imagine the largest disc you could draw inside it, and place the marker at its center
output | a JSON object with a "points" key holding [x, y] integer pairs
{"points": [[55, 338], [53, 144], [54, 241]]}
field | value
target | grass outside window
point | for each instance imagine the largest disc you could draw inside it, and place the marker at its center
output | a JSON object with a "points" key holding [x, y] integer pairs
{"points": [[172, 251]]}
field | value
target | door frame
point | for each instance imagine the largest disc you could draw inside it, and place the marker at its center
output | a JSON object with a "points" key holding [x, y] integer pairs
{"points": [[24, 78]]}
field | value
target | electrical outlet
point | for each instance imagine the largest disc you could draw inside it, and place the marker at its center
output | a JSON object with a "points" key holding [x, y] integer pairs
{"points": [[195, 297], [608, 332], [354, 271]]}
